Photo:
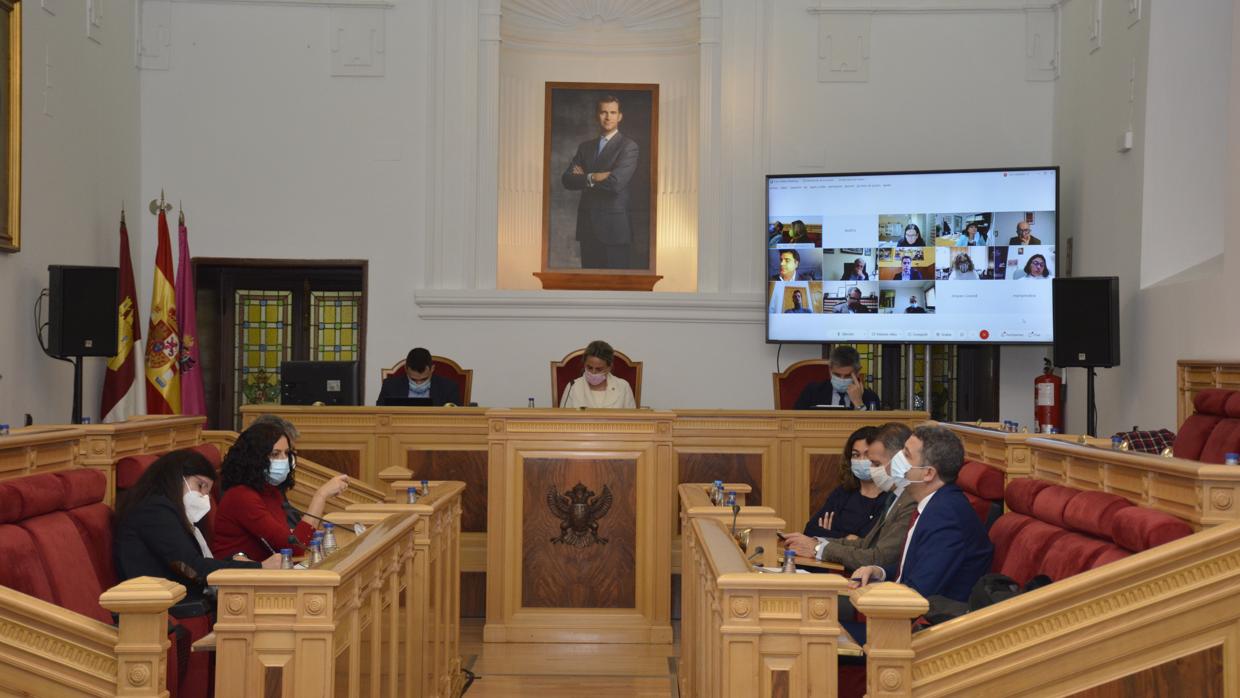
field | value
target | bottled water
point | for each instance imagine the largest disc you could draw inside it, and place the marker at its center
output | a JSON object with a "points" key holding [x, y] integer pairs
{"points": [[286, 558], [316, 548], [426, 488], [1116, 442], [1231, 459], [731, 500], [329, 539], [790, 564], [411, 495], [716, 495]]}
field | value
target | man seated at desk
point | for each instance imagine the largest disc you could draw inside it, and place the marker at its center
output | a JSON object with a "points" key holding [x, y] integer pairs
{"points": [[946, 550], [845, 388], [419, 382]]}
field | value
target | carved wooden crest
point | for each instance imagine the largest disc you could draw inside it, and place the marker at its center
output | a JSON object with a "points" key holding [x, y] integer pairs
{"points": [[579, 512]]}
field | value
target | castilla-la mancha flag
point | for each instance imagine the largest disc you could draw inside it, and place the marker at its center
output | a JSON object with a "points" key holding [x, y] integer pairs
{"points": [[120, 387], [163, 339]]}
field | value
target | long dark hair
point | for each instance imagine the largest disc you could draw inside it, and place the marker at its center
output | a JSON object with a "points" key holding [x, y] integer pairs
{"points": [[919, 242], [847, 480], [249, 458], [166, 478]]}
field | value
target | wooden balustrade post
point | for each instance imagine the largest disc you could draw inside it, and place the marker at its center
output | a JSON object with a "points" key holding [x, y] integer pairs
{"points": [[889, 609], [387, 476], [142, 642]]}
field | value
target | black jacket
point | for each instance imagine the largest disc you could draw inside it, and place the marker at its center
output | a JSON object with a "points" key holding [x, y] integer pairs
{"points": [[152, 536], [823, 394], [443, 390]]}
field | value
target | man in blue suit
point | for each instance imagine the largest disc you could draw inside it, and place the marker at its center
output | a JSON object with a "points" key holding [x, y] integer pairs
{"points": [[601, 170], [947, 550]]}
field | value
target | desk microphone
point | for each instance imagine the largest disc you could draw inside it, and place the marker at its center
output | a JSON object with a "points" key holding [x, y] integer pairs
{"points": [[736, 510], [756, 552]]}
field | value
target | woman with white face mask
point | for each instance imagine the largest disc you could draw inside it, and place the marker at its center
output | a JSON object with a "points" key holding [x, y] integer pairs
{"points": [[853, 507], [258, 470], [159, 524], [597, 386]]}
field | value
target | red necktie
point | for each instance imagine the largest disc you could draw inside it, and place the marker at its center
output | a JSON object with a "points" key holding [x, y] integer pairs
{"points": [[912, 520]]}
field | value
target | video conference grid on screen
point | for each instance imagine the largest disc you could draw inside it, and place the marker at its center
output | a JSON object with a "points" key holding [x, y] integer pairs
{"points": [[912, 257]]}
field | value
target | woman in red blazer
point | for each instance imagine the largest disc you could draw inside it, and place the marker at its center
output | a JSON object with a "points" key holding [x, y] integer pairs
{"points": [[257, 471]]}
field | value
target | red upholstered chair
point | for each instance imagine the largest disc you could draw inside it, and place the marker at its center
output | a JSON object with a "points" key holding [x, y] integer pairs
{"points": [[444, 368], [572, 366], [789, 383], [1213, 430], [983, 487]]}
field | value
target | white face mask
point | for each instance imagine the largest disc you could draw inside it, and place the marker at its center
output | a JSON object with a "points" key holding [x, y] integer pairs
{"points": [[880, 477], [861, 468], [900, 465], [196, 504]]}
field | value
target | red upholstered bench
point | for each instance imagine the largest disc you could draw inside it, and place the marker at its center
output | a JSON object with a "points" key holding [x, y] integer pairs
{"points": [[56, 545], [130, 468], [983, 487], [1213, 430], [1060, 531]]}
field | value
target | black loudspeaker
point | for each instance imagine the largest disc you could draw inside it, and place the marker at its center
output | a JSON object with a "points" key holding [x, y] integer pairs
{"points": [[1086, 321], [82, 317]]}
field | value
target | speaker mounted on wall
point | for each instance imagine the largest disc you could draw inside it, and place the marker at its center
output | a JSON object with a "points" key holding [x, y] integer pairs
{"points": [[82, 310]]}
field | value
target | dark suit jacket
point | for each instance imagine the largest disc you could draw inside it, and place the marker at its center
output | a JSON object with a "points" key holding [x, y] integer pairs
{"points": [[443, 390], [1032, 241], [152, 536], [603, 213], [949, 550], [823, 394], [912, 272], [882, 545]]}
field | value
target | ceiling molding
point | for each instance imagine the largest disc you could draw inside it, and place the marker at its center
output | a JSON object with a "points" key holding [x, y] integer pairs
{"points": [[618, 25]]}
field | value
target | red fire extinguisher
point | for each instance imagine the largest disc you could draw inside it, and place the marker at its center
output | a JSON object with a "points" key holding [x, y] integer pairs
{"points": [[1047, 408]]}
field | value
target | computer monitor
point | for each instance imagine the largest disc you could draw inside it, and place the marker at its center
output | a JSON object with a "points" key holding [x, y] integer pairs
{"points": [[328, 382]]}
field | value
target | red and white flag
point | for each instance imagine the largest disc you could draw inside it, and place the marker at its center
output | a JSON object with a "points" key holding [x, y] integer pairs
{"points": [[163, 336], [193, 400], [120, 393]]}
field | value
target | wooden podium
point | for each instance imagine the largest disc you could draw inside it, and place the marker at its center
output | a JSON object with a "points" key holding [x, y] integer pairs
{"points": [[580, 525]]}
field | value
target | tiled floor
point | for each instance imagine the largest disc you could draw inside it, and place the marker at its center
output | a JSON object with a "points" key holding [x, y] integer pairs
{"points": [[566, 671]]}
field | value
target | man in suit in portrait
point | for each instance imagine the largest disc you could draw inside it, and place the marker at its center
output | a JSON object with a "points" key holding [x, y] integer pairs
{"points": [[947, 549], [418, 381], [601, 171]]}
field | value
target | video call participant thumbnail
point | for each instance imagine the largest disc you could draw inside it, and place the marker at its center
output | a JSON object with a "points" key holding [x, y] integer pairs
{"points": [[846, 387], [418, 381], [853, 304], [1024, 235], [798, 303], [790, 267]]}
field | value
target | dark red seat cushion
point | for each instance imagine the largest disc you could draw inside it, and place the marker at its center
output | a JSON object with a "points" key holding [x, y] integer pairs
{"points": [[1049, 504], [22, 567], [1072, 554], [1092, 512], [1021, 492], [1138, 528], [67, 564], [130, 468], [981, 479], [1002, 533], [1028, 549], [1110, 553], [1224, 439]]}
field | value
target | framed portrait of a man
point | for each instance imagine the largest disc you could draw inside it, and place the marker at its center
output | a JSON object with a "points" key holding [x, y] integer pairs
{"points": [[600, 165], [10, 125]]}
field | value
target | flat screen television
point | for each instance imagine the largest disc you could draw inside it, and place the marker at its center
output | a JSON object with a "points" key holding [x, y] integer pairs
{"points": [[328, 382], [944, 256]]}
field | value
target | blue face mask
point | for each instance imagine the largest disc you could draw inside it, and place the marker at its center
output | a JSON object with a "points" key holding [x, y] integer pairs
{"points": [[841, 385], [278, 472], [861, 468], [420, 386]]}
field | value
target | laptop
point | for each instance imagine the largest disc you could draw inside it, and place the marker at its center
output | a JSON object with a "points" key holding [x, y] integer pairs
{"points": [[405, 402]]}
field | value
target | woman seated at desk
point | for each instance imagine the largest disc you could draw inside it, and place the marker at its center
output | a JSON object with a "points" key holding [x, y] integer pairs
{"points": [[158, 522], [853, 507], [597, 387], [251, 516]]}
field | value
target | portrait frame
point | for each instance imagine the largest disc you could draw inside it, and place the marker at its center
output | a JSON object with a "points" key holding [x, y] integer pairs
{"points": [[11, 111], [566, 128]]}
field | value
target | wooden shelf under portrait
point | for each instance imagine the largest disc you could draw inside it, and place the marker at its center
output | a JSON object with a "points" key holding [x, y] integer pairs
{"points": [[596, 281]]}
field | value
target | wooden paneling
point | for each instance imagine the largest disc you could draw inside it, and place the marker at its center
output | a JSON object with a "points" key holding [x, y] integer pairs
{"points": [[1199, 675], [596, 574], [473, 594], [824, 476], [781, 684], [729, 467], [342, 461], [469, 467]]}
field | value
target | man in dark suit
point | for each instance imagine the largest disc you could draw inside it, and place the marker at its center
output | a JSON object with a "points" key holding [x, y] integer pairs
{"points": [[947, 550], [1024, 235], [846, 387], [907, 272], [418, 381], [601, 171]]}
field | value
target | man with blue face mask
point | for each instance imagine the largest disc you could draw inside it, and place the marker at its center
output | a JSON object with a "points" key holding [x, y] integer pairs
{"points": [[846, 387], [418, 381]]}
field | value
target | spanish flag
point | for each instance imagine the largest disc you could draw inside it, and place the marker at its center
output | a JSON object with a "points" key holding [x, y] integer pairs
{"points": [[163, 339], [120, 393]]}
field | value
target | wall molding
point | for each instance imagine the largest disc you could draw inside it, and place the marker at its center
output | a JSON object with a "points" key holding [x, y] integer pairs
{"points": [[932, 6], [737, 309]]}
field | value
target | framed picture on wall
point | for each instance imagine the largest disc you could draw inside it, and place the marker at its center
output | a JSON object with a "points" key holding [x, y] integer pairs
{"points": [[10, 125], [600, 179]]}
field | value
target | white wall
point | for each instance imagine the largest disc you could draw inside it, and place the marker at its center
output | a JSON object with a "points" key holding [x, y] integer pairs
{"points": [[80, 163], [275, 158], [1112, 199]]}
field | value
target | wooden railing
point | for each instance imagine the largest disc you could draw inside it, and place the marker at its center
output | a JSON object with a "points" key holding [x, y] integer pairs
{"points": [[1195, 375], [761, 523], [46, 650], [377, 618], [1162, 622], [749, 634]]}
